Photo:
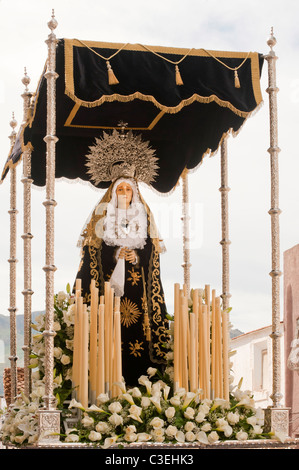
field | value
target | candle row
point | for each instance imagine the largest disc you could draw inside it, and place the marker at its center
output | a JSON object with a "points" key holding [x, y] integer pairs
{"points": [[97, 363], [201, 343]]}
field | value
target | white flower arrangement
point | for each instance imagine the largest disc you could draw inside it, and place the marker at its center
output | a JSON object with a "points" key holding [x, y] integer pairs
{"points": [[152, 412]]}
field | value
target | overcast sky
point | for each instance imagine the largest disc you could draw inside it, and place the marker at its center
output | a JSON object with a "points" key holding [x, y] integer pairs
{"points": [[233, 25]]}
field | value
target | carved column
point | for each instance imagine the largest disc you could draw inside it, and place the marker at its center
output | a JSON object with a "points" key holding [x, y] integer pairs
{"points": [[27, 236], [13, 270], [186, 236], [276, 417], [49, 418], [225, 242]]}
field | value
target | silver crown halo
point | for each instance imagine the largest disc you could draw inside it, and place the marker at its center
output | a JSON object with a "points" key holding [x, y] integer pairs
{"points": [[119, 155]]}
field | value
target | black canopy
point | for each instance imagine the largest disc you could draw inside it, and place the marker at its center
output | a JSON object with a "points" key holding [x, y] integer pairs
{"points": [[183, 121]]}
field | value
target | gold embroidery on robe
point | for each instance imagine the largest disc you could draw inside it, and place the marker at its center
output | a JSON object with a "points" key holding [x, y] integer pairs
{"points": [[135, 277], [129, 312], [136, 348]]}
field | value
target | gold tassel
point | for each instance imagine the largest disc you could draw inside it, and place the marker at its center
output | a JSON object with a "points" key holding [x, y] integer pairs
{"points": [[112, 80], [146, 327], [237, 81], [146, 323], [178, 77]]}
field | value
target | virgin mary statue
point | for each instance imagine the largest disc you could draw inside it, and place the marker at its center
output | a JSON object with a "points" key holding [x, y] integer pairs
{"points": [[120, 244]]}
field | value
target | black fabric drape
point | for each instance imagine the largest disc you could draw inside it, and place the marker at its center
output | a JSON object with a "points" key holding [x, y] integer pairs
{"points": [[182, 123]]}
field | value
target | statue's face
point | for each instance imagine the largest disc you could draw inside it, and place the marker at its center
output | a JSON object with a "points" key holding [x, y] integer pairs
{"points": [[124, 193]]}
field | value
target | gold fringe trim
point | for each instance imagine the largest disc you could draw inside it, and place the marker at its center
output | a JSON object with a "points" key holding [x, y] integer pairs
{"points": [[165, 109]]}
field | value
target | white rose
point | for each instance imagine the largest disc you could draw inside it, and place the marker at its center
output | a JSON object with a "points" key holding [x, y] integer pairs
{"points": [[72, 438], [200, 417], [206, 427], [242, 436], [102, 426], [130, 428], [61, 296], [115, 419], [56, 326], [65, 359], [189, 426], [228, 430], [131, 437], [95, 436], [175, 400], [143, 437], [171, 430], [180, 436], [151, 371], [233, 418], [103, 397], [69, 344], [136, 392], [189, 413], [87, 421], [158, 434], [170, 412], [190, 436], [213, 437], [115, 407], [257, 429], [204, 408], [157, 422], [145, 402], [135, 410]]}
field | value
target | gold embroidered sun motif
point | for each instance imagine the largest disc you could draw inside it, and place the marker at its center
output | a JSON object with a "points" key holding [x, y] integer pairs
{"points": [[136, 348], [135, 277], [129, 312]]}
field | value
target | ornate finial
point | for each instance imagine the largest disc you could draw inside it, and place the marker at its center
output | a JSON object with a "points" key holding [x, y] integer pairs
{"points": [[26, 79], [122, 125], [52, 24], [271, 40], [13, 123]]}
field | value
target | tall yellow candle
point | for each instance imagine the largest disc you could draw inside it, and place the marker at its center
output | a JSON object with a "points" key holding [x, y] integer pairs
{"points": [[93, 339], [84, 369], [111, 336], [225, 340], [192, 353], [213, 343], [195, 311], [205, 352], [117, 351], [101, 352], [79, 347], [107, 335], [200, 344], [183, 346], [176, 339], [75, 347], [218, 362]]}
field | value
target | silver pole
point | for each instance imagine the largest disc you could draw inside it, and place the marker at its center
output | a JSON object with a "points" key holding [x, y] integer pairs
{"points": [[13, 270], [27, 236], [276, 418], [49, 418], [225, 242], [274, 213]]}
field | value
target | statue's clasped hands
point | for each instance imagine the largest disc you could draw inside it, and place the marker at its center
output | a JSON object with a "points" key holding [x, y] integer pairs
{"points": [[128, 255]]}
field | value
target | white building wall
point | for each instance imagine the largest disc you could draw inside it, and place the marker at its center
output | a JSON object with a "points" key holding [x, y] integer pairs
{"points": [[252, 362]]}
